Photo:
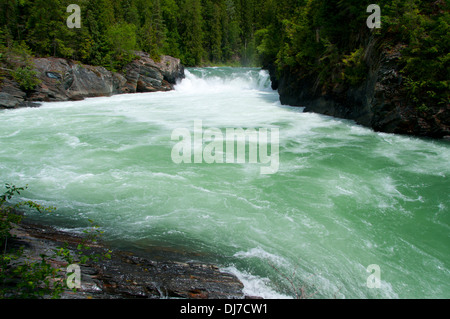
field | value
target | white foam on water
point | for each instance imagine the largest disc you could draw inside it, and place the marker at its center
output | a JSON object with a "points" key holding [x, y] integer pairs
{"points": [[255, 286], [343, 196], [260, 253], [209, 81]]}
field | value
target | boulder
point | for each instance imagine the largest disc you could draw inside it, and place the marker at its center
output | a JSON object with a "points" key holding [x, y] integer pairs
{"points": [[128, 274], [8, 101], [146, 75], [65, 80], [11, 96]]}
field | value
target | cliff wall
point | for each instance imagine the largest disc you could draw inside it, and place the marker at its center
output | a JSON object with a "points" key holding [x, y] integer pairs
{"points": [[379, 101]]}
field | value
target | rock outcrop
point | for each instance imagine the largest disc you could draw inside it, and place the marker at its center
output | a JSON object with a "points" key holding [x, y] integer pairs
{"points": [[146, 75], [378, 102], [67, 80], [11, 96], [127, 275], [63, 80]]}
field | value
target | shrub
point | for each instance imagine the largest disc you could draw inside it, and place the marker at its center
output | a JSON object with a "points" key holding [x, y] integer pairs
{"points": [[22, 277], [26, 77]]}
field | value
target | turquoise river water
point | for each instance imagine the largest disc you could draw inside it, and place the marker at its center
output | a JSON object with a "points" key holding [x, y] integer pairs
{"points": [[342, 197]]}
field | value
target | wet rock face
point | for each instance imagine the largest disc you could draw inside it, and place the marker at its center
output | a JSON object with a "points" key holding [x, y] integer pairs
{"points": [[66, 80], [9, 101], [63, 80], [393, 112], [11, 96], [146, 75], [378, 102], [127, 275]]}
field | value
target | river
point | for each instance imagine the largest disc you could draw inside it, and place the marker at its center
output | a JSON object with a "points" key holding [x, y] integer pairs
{"points": [[345, 213]]}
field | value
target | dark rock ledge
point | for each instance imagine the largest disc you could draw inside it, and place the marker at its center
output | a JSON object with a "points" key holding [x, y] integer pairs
{"points": [[379, 101], [127, 276]]}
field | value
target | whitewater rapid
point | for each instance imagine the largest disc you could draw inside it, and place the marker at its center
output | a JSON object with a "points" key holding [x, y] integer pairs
{"points": [[344, 197]]}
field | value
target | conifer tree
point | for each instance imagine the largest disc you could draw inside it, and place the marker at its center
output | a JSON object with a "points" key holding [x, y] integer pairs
{"points": [[192, 32]]}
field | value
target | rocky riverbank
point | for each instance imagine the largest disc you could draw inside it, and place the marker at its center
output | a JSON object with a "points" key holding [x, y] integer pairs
{"points": [[378, 102], [67, 80], [128, 276]]}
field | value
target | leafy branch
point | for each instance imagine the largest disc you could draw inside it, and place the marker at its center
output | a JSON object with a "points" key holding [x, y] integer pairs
{"points": [[24, 277]]}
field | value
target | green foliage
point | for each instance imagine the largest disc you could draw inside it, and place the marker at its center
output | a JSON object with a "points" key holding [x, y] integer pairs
{"points": [[426, 57], [7, 216], [192, 34], [23, 278], [27, 277], [324, 38], [355, 70], [122, 38], [197, 31], [329, 39], [17, 60], [18, 54], [423, 30], [153, 33], [26, 77], [20, 277]]}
